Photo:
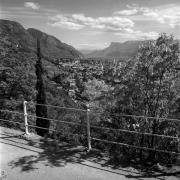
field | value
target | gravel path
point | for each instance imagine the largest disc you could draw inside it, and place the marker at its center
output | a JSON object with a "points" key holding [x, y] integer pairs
{"points": [[31, 158]]}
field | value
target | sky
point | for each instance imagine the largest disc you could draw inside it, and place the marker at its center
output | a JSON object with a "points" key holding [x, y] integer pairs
{"points": [[94, 24]]}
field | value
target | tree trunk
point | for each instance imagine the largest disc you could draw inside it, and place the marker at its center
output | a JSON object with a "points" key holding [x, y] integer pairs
{"points": [[41, 110]]}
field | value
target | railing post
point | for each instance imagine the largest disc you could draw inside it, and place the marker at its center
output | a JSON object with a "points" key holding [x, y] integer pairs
{"points": [[25, 117], [88, 129]]}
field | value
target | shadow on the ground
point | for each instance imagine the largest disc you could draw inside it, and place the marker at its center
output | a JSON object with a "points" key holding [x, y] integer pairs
{"points": [[148, 175], [59, 154], [52, 155]]}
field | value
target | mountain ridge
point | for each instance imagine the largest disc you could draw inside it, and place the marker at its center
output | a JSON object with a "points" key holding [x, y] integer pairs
{"points": [[27, 38], [125, 49]]}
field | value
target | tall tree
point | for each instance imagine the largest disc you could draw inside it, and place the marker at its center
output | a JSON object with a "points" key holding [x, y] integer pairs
{"points": [[41, 109], [152, 89]]}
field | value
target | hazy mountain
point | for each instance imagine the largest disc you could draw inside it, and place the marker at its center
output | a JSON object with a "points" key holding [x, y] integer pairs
{"points": [[117, 50], [86, 51], [26, 40]]}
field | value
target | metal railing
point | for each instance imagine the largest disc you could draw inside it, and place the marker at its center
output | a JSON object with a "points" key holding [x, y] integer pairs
{"points": [[88, 127]]}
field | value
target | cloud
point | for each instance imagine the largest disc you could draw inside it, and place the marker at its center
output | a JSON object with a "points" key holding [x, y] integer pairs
{"points": [[127, 12], [80, 21], [137, 35], [65, 22], [119, 26], [149, 12], [167, 14], [32, 5]]}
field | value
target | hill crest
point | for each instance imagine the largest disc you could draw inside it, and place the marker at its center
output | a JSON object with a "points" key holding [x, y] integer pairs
{"points": [[27, 39]]}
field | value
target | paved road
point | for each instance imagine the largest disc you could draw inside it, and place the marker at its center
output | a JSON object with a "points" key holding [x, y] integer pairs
{"points": [[38, 160]]}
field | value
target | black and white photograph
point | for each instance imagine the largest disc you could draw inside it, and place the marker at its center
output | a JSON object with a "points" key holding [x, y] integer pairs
{"points": [[89, 89]]}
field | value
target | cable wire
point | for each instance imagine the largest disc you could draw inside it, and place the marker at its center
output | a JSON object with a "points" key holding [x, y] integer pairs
{"points": [[136, 147], [136, 116], [11, 121], [121, 130], [66, 122], [135, 132], [147, 117], [49, 105], [15, 112], [11, 100], [113, 114], [104, 128]]}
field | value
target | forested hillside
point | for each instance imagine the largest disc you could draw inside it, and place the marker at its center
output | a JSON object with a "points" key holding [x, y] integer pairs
{"points": [[17, 65]]}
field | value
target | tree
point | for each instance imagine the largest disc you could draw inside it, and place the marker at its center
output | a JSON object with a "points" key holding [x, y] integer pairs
{"points": [[41, 109], [151, 89], [17, 79], [157, 79]]}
